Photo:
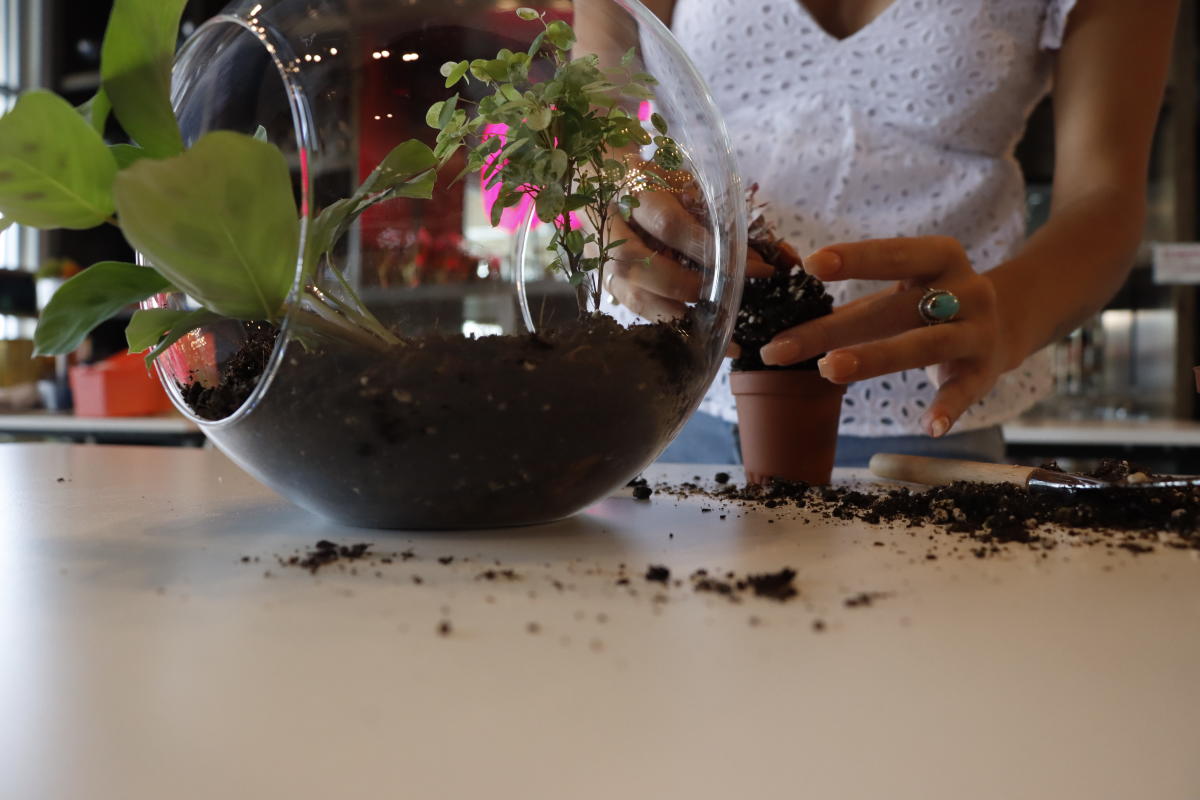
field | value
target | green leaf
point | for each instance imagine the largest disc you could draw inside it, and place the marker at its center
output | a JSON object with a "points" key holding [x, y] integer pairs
{"points": [[574, 242], [260, 133], [456, 73], [668, 155], [148, 325], [658, 122], [433, 117], [162, 327], [560, 35], [626, 205], [89, 298], [539, 119], [126, 154], [629, 56], [446, 112], [96, 112], [527, 14], [549, 202], [219, 221], [558, 163], [575, 202], [55, 171], [497, 69], [135, 71], [536, 46]]}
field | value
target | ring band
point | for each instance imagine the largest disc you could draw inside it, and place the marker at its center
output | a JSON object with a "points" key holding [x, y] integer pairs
{"points": [[937, 306]]}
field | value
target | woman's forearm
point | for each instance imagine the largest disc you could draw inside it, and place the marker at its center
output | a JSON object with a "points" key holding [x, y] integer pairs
{"points": [[1068, 270]]}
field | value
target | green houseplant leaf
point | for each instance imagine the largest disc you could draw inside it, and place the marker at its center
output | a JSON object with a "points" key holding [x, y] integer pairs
{"points": [[55, 171], [135, 71], [219, 221], [89, 298], [156, 329]]}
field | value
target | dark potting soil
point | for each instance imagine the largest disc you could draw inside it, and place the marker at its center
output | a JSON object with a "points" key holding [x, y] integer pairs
{"points": [[770, 305], [1134, 518], [323, 554], [446, 431]]}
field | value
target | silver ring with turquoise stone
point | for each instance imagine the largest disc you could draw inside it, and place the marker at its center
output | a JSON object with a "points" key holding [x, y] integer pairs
{"points": [[937, 306]]}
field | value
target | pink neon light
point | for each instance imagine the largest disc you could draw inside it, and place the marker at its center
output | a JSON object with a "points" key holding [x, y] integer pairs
{"points": [[645, 110]]}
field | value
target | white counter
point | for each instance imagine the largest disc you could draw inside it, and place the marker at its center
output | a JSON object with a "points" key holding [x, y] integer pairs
{"points": [[142, 659]]}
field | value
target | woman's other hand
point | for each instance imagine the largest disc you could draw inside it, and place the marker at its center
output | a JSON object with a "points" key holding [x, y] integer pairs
{"points": [[644, 276], [884, 332]]}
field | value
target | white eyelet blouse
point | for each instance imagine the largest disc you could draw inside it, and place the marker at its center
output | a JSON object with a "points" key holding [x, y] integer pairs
{"points": [[905, 128]]}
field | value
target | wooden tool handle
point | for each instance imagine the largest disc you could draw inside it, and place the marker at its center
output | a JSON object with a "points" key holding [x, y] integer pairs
{"points": [[941, 471]]}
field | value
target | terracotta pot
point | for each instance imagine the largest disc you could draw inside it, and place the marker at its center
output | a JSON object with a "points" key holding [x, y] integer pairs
{"points": [[787, 421]]}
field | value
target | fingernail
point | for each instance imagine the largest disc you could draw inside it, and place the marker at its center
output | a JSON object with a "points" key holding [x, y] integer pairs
{"points": [[824, 264], [781, 352], [837, 366], [938, 427]]}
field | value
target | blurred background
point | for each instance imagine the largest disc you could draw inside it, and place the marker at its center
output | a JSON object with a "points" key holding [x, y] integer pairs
{"points": [[1124, 381]]}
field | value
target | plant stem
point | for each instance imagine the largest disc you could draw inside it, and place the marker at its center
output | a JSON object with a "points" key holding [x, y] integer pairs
{"points": [[318, 317], [357, 310]]}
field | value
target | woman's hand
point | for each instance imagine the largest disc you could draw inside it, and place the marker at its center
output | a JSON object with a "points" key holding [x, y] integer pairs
{"points": [[647, 280], [884, 332]]}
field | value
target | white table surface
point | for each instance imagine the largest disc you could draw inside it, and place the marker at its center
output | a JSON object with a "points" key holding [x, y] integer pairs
{"points": [[141, 659], [59, 422]]}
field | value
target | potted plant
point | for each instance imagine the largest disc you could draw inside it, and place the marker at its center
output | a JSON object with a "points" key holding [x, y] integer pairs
{"points": [[787, 416], [246, 193]]}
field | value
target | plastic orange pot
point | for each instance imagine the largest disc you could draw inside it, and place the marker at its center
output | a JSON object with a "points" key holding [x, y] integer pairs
{"points": [[120, 386]]}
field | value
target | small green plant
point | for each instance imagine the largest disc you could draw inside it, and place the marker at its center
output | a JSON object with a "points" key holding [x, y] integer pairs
{"points": [[217, 221], [565, 136]]}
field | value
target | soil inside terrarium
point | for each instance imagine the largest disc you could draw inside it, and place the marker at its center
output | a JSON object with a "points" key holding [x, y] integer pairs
{"points": [[451, 431]]}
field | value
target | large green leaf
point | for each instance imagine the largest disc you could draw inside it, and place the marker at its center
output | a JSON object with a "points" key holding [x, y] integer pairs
{"points": [[219, 221], [135, 71], [159, 328], [55, 171], [91, 297]]}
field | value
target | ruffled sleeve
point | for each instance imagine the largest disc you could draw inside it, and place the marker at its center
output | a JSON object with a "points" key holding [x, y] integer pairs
{"points": [[1055, 25]]}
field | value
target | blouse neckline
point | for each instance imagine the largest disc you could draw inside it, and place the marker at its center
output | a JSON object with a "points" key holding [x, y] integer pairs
{"points": [[878, 19]]}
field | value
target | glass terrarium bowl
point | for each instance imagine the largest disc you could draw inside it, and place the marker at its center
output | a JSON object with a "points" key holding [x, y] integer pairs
{"points": [[496, 400]]}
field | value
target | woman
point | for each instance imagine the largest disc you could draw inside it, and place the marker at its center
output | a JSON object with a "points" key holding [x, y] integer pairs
{"points": [[881, 134]]}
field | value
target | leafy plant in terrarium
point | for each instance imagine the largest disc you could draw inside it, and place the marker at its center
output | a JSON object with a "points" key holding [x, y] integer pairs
{"points": [[217, 221], [564, 139]]}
